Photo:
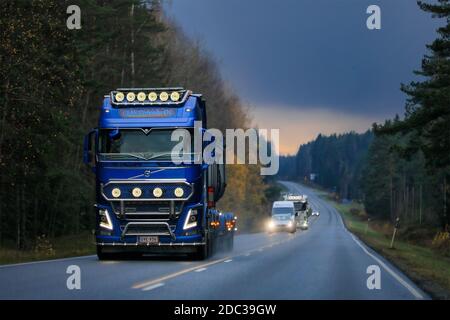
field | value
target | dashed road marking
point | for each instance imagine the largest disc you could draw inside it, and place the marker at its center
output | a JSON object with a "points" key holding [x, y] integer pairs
{"points": [[229, 260], [200, 270], [175, 274], [154, 286]]}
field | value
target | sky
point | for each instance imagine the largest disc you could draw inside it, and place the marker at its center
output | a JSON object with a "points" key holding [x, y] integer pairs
{"points": [[311, 66]]}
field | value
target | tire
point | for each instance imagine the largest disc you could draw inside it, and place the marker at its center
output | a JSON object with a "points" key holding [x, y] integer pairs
{"points": [[294, 230], [229, 243], [104, 256], [204, 251]]}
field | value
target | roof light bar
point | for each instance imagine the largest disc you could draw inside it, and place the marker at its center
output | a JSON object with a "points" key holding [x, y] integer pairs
{"points": [[149, 96]]}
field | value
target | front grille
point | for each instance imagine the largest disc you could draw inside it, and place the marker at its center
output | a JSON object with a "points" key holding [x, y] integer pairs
{"points": [[148, 229], [147, 209]]}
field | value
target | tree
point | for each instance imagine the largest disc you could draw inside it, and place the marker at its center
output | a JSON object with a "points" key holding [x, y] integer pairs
{"points": [[427, 114]]}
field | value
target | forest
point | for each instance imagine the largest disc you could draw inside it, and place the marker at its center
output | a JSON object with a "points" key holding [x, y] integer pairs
{"points": [[52, 83], [400, 168]]}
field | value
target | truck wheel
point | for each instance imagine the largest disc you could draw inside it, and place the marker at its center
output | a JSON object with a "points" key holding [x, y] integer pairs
{"points": [[229, 243], [102, 255], [202, 252]]}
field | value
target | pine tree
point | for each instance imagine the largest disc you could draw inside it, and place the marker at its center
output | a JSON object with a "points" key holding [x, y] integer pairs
{"points": [[427, 116]]}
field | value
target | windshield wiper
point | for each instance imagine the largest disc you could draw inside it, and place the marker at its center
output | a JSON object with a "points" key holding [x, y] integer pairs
{"points": [[122, 155], [167, 154]]}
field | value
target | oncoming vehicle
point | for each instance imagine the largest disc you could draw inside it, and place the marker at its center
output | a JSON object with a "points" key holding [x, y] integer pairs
{"points": [[283, 217]]}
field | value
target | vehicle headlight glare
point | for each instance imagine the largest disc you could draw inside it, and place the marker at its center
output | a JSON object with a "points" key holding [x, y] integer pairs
{"points": [[179, 192], [157, 192], [116, 192]]}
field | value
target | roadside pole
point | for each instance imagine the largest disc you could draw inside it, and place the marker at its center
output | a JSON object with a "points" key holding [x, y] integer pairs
{"points": [[397, 225], [367, 226]]}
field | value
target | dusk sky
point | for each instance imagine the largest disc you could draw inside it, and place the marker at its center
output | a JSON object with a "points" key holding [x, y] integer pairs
{"points": [[311, 66]]}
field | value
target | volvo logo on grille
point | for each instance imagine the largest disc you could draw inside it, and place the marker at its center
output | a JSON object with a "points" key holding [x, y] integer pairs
{"points": [[147, 173]]}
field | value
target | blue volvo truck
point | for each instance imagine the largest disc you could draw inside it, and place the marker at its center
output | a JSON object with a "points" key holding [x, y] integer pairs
{"points": [[145, 202]]}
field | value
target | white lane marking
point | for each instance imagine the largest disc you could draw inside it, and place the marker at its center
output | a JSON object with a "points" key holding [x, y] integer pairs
{"points": [[154, 286], [200, 270], [410, 288], [229, 260], [45, 261], [247, 254]]}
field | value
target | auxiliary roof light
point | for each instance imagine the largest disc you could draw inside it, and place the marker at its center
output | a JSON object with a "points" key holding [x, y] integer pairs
{"points": [[175, 96], [152, 96], [120, 96], [163, 96], [131, 96], [141, 96]]}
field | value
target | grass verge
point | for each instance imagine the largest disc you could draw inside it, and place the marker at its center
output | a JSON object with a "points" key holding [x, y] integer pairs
{"points": [[47, 249], [426, 267]]}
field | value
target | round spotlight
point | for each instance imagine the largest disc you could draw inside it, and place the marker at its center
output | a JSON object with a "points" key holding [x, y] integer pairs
{"points": [[163, 96], [175, 96], [179, 192], [141, 96], [116, 192], [157, 192], [131, 96], [119, 96], [137, 192], [152, 96]]}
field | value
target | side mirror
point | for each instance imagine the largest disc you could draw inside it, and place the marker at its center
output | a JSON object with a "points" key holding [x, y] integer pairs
{"points": [[89, 150]]}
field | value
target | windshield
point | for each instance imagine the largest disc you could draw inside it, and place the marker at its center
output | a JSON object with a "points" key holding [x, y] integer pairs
{"points": [[282, 210], [139, 144]]}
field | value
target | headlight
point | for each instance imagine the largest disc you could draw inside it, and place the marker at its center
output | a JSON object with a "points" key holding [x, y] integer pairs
{"points": [[178, 192], [137, 192], [152, 96], [141, 96], [116, 192], [289, 224], [105, 220], [131, 96], [119, 96], [191, 219], [163, 96], [175, 96], [270, 224], [157, 192]]}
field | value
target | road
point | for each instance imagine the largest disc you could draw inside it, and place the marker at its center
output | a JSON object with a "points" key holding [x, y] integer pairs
{"points": [[324, 262]]}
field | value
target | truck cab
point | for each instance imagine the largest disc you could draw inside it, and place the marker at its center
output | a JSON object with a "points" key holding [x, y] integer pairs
{"points": [[145, 201]]}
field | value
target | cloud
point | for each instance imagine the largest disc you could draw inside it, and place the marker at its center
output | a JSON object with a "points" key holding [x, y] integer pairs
{"points": [[299, 125]]}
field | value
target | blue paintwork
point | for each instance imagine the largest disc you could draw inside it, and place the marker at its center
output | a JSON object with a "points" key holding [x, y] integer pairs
{"points": [[183, 115]]}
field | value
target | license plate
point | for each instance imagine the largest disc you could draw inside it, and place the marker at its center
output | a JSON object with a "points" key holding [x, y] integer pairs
{"points": [[148, 239]]}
